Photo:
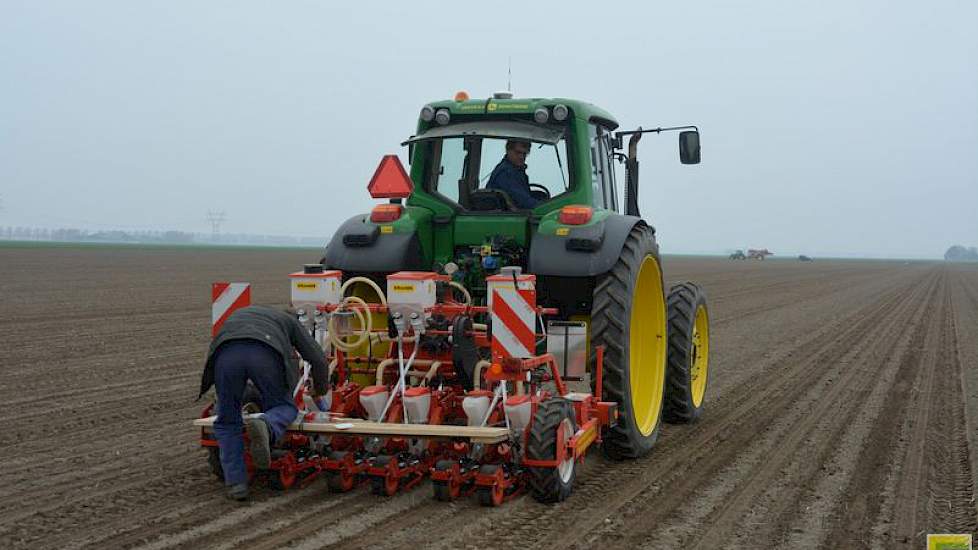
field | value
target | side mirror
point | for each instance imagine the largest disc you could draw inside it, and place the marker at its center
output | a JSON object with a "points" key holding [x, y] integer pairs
{"points": [[410, 152], [689, 147]]}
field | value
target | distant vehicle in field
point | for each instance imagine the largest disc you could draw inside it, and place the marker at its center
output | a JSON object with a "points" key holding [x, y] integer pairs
{"points": [[804, 258], [738, 255], [758, 254]]}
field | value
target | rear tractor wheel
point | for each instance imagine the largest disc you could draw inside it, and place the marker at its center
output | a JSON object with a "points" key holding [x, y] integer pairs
{"points": [[689, 354], [628, 317]]}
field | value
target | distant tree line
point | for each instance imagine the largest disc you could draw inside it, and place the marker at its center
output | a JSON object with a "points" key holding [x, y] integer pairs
{"points": [[149, 236], [958, 253]]}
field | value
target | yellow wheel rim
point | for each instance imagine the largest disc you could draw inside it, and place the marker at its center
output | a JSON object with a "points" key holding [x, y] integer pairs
{"points": [[647, 347], [699, 357]]}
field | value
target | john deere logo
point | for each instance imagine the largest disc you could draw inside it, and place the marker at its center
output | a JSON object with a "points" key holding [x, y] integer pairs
{"points": [[307, 286], [948, 542]]}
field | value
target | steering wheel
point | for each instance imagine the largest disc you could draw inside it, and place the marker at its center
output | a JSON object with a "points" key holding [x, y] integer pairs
{"points": [[537, 188]]}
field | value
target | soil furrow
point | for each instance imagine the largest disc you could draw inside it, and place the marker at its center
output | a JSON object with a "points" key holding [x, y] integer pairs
{"points": [[782, 435], [817, 373]]}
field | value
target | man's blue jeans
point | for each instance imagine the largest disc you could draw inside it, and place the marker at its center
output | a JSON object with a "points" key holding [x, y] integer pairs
{"points": [[235, 363]]}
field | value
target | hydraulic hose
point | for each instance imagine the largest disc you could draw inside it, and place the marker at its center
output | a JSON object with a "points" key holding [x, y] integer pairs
{"points": [[400, 386], [368, 282], [477, 372], [352, 303], [462, 289], [366, 323]]}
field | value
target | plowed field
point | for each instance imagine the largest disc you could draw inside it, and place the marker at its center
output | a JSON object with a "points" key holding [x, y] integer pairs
{"points": [[841, 403]]}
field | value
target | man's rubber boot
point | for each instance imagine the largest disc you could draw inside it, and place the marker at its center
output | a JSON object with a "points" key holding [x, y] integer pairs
{"points": [[238, 492], [259, 432]]}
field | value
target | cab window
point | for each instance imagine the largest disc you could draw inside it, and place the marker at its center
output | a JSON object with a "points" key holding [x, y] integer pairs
{"points": [[603, 191], [449, 167], [546, 165], [460, 166]]}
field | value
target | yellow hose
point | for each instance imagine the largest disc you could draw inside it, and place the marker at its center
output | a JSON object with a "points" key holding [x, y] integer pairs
{"points": [[366, 324], [428, 375], [477, 372], [352, 303], [368, 282], [468, 297]]}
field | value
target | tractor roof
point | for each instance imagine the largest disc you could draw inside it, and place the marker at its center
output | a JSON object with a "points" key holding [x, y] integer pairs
{"points": [[493, 106], [499, 129]]}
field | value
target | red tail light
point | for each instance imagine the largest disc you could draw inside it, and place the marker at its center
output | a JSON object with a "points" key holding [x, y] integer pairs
{"points": [[385, 213], [575, 215]]}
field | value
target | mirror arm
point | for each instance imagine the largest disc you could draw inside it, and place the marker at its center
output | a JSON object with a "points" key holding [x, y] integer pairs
{"points": [[631, 163], [655, 130]]}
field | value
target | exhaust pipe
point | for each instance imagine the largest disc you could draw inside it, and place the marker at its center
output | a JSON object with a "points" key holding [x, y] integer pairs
{"points": [[631, 175]]}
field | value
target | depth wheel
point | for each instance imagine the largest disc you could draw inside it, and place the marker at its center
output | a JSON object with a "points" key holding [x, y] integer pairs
{"points": [[282, 480], [628, 317], [553, 424], [384, 485], [689, 354], [339, 481], [214, 461], [490, 496], [446, 491]]}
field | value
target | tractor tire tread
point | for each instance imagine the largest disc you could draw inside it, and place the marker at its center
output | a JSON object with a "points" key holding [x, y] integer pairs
{"points": [[681, 305], [609, 318]]}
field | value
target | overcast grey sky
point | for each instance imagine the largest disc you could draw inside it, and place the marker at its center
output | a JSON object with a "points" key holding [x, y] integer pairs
{"points": [[828, 128]]}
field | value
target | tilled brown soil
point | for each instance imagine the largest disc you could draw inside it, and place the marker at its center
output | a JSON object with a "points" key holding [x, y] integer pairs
{"points": [[841, 402]]}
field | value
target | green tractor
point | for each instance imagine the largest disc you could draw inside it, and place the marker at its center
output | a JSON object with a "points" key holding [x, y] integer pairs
{"points": [[595, 258]]}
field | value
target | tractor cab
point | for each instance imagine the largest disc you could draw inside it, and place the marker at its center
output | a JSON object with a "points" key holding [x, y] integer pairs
{"points": [[465, 163], [503, 181]]}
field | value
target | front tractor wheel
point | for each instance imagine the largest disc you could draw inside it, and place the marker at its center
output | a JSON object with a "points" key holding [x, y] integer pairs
{"points": [[629, 318], [689, 354]]}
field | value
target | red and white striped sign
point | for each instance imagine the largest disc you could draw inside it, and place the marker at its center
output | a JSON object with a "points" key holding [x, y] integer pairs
{"points": [[225, 298], [512, 307]]}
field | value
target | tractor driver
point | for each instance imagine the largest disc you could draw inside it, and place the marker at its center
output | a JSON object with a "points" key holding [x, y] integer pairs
{"points": [[256, 343], [510, 175]]}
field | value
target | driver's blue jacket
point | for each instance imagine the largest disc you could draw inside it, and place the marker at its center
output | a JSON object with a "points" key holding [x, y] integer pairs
{"points": [[512, 179]]}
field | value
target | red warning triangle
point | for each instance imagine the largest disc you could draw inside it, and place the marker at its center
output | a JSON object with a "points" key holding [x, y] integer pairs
{"points": [[390, 181]]}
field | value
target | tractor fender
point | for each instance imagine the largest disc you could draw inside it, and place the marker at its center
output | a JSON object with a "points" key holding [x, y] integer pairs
{"points": [[585, 251], [359, 246]]}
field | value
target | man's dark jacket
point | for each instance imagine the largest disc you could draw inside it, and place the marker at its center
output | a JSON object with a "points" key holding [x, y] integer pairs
{"points": [[512, 179], [280, 331]]}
